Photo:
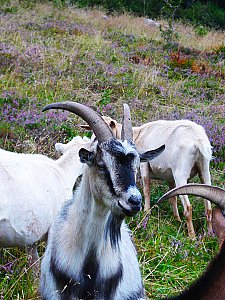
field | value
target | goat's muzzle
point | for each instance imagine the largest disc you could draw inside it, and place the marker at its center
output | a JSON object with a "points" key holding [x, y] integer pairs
{"points": [[132, 205]]}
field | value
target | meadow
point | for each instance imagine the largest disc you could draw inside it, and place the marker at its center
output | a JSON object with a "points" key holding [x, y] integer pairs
{"points": [[51, 53]]}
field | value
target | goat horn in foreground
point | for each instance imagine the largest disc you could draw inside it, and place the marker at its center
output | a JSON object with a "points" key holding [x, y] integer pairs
{"points": [[212, 193], [97, 124], [126, 132]]}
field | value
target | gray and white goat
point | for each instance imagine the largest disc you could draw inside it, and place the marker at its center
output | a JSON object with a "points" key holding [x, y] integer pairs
{"points": [[90, 254], [210, 285], [32, 190], [187, 153]]}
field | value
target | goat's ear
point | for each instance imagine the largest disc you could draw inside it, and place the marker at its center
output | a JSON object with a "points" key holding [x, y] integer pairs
{"points": [[59, 147], [149, 155], [86, 157], [86, 127]]}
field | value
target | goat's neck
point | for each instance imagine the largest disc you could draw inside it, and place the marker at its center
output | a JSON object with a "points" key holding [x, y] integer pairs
{"points": [[90, 218], [85, 228], [71, 166]]}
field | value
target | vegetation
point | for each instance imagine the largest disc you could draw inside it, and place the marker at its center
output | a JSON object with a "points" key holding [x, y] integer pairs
{"points": [[200, 12], [50, 53]]}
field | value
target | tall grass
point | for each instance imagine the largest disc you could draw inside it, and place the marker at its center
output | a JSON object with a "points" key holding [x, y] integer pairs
{"points": [[55, 54]]}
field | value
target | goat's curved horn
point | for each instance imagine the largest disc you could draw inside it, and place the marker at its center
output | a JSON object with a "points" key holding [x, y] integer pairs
{"points": [[212, 193], [126, 132], [97, 124]]}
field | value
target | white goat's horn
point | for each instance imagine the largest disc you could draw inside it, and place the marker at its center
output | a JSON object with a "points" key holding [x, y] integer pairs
{"points": [[126, 132], [212, 193], [97, 124]]}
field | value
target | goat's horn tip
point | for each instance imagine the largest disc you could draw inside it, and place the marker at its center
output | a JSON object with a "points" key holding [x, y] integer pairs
{"points": [[54, 105], [161, 199], [46, 108]]}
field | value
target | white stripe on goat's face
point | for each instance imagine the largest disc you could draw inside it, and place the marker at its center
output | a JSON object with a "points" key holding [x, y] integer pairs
{"points": [[116, 163]]}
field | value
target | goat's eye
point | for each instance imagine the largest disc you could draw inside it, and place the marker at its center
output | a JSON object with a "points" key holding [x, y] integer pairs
{"points": [[130, 156]]}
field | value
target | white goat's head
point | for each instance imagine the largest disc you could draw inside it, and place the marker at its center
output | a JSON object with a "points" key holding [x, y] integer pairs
{"points": [[76, 142], [112, 163], [113, 125]]}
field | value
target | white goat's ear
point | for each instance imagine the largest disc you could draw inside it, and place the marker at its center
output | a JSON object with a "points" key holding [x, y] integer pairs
{"points": [[86, 156], [149, 155], [59, 147]]}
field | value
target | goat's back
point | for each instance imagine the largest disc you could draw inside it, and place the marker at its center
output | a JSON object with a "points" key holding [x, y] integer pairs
{"points": [[30, 196], [183, 139]]}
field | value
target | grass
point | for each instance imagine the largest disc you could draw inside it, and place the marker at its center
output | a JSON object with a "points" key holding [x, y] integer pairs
{"points": [[50, 54]]}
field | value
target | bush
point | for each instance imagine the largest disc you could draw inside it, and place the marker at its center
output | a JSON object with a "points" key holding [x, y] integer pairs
{"points": [[208, 14]]}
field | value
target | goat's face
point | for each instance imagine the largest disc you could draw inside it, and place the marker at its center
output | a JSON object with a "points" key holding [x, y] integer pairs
{"points": [[114, 166]]}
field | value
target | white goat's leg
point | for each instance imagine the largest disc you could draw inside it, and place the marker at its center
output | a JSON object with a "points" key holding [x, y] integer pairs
{"points": [[186, 206], [188, 215], [145, 177], [33, 259], [173, 203], [181, 172], [206, 179]]}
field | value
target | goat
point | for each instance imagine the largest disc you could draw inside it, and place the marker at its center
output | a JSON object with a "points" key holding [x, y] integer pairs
{"points": [[90, 254], [63, 148], [188, 152], [33, 187], [210, 286]]}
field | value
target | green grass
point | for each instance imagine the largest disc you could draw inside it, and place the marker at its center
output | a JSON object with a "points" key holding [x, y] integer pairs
{"points": [[50, 54]]}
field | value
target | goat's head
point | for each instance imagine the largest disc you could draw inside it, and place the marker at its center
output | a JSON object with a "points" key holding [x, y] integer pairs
{"points": [[112, 163], [76, 143], [212, 193], [113, 125]]}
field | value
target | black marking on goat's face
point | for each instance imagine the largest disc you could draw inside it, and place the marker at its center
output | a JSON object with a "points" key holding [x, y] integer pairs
{"points": [[88, 284], [117, 163]]}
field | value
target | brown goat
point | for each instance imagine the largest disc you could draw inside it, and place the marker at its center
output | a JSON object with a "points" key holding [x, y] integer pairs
{"points": [[211, 285], [218, 224]]}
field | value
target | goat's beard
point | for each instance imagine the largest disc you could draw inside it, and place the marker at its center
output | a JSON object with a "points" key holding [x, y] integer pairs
{"points": [[113, 229]]}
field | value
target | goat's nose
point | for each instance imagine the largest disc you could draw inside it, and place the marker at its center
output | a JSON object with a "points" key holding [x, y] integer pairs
{"points": [[135, 200]]}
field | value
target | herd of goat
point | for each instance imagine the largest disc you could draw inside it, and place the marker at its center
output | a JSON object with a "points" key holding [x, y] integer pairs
{"points": [[89, 252]]}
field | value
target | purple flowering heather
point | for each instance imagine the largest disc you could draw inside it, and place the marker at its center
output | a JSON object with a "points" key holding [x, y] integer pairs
{"points": [[27, 112]]}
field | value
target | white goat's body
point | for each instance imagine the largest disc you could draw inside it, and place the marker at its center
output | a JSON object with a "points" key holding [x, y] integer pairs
{"points": [[33, 188], [108, 265], [187, 153], [187, 148]]}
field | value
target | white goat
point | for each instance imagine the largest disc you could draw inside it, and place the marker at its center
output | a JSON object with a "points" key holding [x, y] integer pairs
{"points": [[188, 152], [33, 188], [89, 253]]}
